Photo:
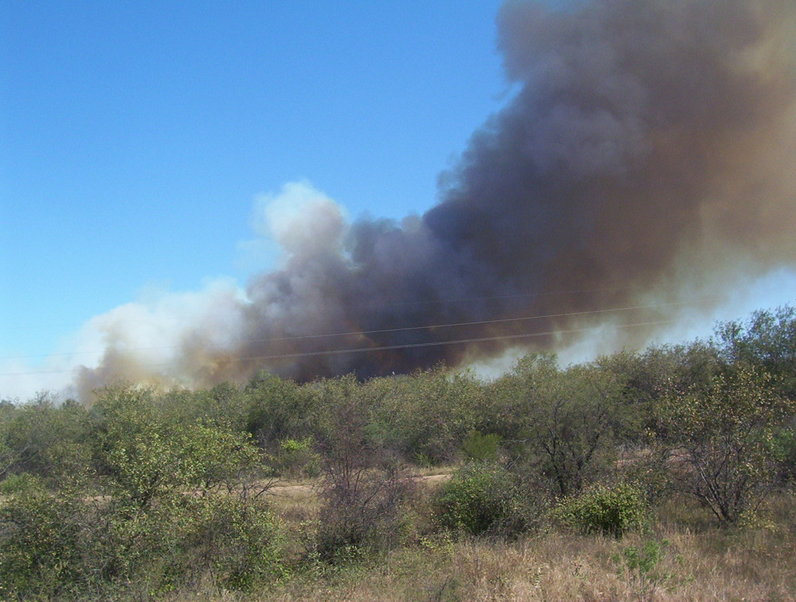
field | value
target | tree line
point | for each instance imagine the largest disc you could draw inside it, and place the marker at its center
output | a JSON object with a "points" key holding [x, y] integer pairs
{"points": [[145, 491]]}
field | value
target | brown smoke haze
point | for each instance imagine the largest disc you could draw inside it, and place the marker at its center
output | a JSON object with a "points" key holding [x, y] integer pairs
{"points": [[649, 145]]}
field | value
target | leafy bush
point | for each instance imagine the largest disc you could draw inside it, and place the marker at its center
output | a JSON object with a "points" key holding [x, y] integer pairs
{"points": [[783, 448], [601, 509], [767, 340], [280, 409], [178, 506], [44, 439], [43, 544], [426, 416], [483, 498], [564, 419], [296, 458], [62, 547], [722, 440], [640, 566], [144, 460], [481, 447], [17, 483], [236, 540]]}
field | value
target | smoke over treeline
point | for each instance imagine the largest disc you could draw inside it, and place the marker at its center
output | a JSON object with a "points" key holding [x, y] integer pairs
{"points": [[645, 141]]}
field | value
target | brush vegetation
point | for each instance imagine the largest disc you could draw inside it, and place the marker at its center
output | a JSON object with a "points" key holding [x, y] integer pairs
{"points": [[665, 474]]}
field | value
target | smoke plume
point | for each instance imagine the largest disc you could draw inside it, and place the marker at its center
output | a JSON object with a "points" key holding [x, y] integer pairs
{"points": [[647, 144]]}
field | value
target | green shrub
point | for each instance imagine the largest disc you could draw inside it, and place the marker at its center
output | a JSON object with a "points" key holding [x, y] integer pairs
{"points": [[601, 509], [17, 483], [296, 458], [723, 440], [481, 447], [237, 541], [183, 539], [40, 544], [640, 566], [783, 449], [60, 547], [564, 421], [484, 498]]}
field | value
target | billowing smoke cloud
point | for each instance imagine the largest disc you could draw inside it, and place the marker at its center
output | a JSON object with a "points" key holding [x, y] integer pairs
{"points": [[648, 143]]}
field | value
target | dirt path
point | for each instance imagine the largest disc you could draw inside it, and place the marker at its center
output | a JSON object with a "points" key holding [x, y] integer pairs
{"points": [[293, 490], [305, 489]]}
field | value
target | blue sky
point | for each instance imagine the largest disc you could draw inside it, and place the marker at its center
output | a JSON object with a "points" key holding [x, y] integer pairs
{"points": [[136, 135], [136, 138]]}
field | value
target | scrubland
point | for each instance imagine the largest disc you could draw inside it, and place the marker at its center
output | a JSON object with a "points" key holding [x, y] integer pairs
{"points": [[663, 474], [689, 558]]}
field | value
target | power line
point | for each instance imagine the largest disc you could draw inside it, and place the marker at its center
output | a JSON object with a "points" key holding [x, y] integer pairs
{"points": [[379, 331], [385, 347], [382, 305], [442, 343]]}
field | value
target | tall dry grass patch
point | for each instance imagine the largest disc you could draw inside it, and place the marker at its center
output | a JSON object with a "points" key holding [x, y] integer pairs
{"points": [[705, 564]]}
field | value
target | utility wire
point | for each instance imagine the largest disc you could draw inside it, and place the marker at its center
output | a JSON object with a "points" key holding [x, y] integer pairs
{"points": [[384, 347], [380, 331], [434, 301], [441, 343]]}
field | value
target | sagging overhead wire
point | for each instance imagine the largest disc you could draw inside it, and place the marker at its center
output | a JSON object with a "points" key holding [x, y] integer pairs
{"points": [[379, 331], [380, 348]]}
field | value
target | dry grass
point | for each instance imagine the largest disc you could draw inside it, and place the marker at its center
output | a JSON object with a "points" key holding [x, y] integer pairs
{"points": [[699, 561]]}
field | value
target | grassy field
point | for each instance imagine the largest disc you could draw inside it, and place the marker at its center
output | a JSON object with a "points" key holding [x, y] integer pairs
{"points": [[683, 555]]}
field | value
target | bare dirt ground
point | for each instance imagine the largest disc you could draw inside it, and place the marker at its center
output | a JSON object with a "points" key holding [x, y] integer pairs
{"points": [[307, 489]]}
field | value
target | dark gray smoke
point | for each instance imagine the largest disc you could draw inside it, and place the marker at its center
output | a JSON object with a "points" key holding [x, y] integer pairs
{"points": [[646, 139]]}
